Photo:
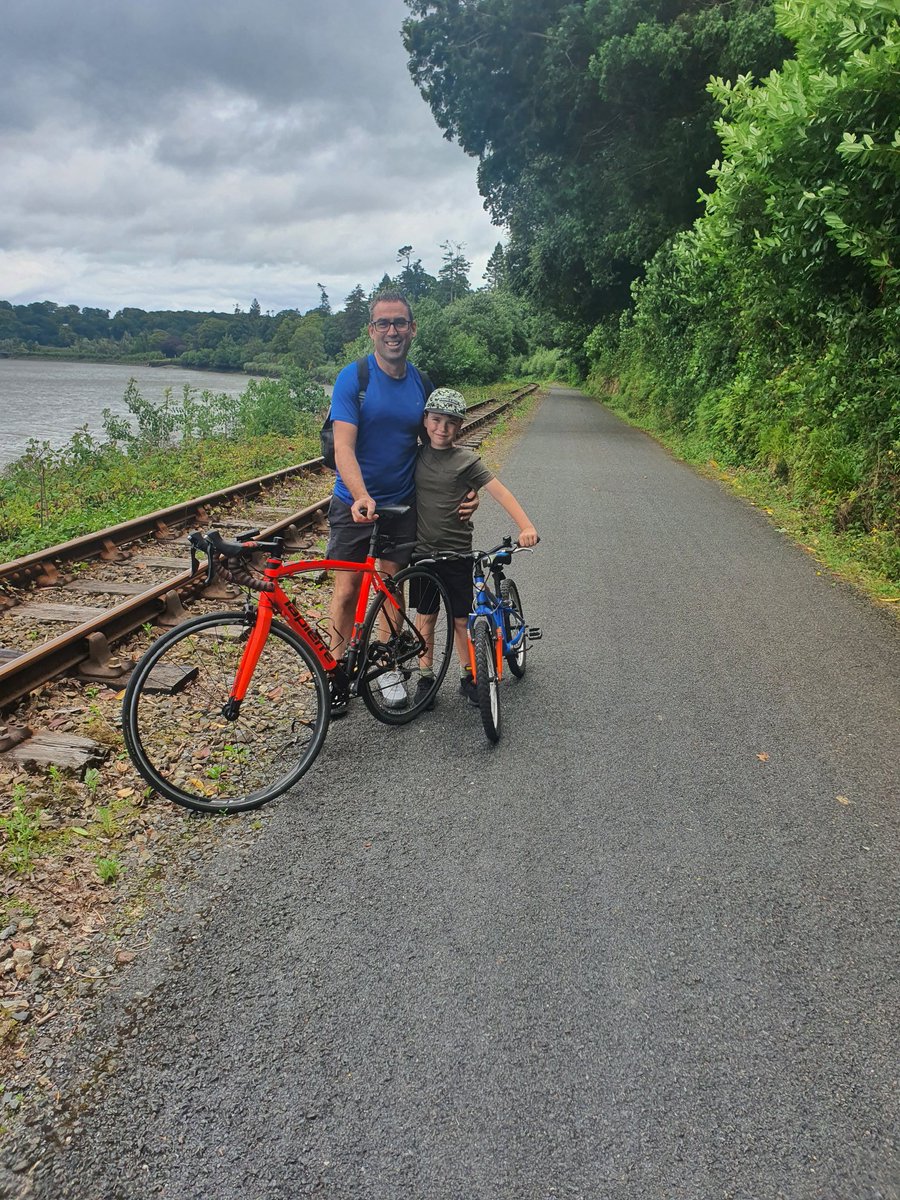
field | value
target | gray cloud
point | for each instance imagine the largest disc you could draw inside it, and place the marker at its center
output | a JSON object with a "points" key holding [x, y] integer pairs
{"points": [[259, 147]]}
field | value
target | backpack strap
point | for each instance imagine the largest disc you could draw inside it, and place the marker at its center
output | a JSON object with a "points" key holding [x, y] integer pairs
{"points": [[362, 378]]}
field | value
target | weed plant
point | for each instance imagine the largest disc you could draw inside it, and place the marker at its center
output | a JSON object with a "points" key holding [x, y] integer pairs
{"points": [[20, 833]]}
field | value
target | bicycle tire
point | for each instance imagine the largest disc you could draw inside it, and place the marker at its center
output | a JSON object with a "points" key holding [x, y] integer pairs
{"points": [[178, 737], [513, 621], [487, 685], [391, 683]]}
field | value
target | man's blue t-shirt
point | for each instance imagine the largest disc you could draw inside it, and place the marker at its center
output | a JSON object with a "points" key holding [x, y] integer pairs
{"points": [[388, 425]]}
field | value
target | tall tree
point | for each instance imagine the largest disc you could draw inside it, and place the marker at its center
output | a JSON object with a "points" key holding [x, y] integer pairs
{"points": [[415, 282], [454, 274], [591, 123], [355, 316], [495, 271]]}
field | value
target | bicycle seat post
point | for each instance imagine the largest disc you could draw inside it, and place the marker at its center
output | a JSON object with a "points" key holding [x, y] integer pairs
{"points": [[373, 537]]}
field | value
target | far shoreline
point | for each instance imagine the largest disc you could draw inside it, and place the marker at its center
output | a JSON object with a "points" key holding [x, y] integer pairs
{"points": [[134, 360]]}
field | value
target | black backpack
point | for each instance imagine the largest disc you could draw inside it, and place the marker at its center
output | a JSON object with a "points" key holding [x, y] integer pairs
{"points": [[326, 433]]}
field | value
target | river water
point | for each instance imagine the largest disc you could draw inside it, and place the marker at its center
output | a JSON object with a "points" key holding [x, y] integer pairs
{"points": [[50, 400]]}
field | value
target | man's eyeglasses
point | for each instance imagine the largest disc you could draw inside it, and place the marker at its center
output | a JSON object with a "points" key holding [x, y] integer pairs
{"points": [[383, 324]]}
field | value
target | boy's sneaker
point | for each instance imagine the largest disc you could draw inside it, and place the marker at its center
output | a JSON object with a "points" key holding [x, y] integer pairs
{"points": [[392, 689], [468, 689], [425, 687]]}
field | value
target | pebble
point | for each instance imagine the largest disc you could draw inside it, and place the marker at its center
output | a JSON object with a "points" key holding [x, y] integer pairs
{"points": [[26, 923], [21, 1015], [8, 932]]}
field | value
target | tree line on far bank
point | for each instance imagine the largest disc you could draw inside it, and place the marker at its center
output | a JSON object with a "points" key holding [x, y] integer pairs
{"points": [[464, 335]]}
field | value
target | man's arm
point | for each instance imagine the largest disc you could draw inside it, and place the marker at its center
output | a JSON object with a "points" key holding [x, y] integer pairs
{"points": [[468, 505], [363, 508]]}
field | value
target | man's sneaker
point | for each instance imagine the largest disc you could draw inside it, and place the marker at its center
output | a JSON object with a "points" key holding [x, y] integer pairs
{"points": [[468, 689], [339, 709], [392, 689], [425, 687]]}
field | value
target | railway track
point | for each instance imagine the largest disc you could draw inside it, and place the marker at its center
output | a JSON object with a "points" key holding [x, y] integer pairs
{"points": [[104, 587]]}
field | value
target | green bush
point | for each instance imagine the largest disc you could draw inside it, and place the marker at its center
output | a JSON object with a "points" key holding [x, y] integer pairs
{"points": [[769, 332]]}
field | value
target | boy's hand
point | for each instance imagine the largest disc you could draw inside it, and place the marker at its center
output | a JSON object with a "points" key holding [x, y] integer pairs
{"points": [[468, 506], [528, 536]]}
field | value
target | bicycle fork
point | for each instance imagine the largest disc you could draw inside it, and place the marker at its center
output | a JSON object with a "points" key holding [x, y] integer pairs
{"points": [[498, 654], [262, 623]]}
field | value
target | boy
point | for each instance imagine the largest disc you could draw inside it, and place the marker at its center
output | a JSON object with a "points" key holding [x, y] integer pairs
{"points": [[444, 473]]}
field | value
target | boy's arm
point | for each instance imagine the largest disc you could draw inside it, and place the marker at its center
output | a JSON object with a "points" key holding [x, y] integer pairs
{"points": [[527, 532]]}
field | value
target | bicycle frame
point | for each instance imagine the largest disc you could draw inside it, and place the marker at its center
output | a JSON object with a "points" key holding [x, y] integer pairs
{"points": [[277, 601], [491, 605]]}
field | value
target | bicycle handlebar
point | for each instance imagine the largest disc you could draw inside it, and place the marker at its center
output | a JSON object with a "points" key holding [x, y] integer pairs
{"points": [[481, 555], [235, 556], [504, 551]]}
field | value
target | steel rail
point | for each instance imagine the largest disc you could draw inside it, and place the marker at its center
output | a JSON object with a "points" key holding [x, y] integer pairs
{"points": [[22, 675], [92, 545]]}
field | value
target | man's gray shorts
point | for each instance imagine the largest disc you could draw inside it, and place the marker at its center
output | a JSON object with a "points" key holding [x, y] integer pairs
{"points": [[349, 541]]}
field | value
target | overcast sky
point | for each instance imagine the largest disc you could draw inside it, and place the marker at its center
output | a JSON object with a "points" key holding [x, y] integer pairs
{"points": [[189, 154]]}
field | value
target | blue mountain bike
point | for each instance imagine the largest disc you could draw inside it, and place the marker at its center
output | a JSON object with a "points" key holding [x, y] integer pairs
{"points": [[497, 630]]}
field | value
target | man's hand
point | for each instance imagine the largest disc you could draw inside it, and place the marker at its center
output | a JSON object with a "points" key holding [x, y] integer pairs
{"points": [[528, 536], [362, 510], [468, 506]]}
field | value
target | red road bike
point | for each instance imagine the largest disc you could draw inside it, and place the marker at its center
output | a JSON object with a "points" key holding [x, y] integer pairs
{"points": [[228, 710]]}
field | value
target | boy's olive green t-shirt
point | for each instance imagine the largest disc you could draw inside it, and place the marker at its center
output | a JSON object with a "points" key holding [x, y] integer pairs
{"points": [[443, 477]]}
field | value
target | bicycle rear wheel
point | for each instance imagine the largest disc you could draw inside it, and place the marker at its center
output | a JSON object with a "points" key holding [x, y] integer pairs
{"points": [[513, 627], [184, 746], [396, 645], [486, 681]]}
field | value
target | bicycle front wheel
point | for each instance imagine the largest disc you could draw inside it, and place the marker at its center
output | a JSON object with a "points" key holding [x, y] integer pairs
{"points": [[513, 627], [398, 645], [182, 743], [486, 680]]}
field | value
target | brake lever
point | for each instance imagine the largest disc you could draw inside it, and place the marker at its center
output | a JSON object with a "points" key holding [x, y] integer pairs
{"points": [[197, 541]]}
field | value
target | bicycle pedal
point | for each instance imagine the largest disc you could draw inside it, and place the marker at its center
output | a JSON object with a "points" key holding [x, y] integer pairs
{"points": [[534, 633]]}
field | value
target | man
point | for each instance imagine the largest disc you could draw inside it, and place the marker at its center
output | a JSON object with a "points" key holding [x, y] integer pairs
{"points": [[375, 452]]}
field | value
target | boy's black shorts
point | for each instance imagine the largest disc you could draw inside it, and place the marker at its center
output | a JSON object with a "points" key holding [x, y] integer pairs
{"points": [[456, 576]]}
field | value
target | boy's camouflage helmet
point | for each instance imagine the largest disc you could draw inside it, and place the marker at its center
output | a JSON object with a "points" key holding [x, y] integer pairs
{"points": [[446, 401]]}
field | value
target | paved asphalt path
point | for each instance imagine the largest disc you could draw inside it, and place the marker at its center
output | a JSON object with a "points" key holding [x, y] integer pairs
{"points": [[644, 949]]}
